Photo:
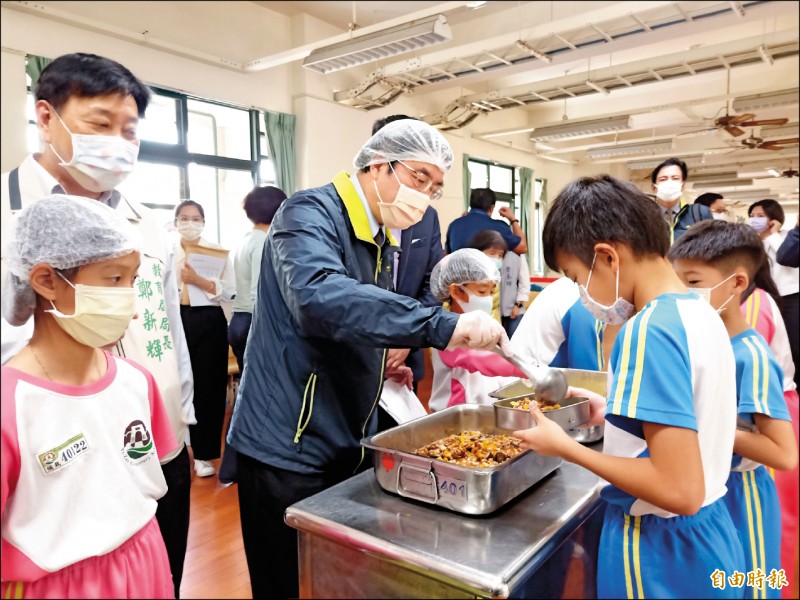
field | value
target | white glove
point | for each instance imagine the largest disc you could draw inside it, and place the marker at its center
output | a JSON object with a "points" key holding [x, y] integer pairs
{"points": [[478, 330]]}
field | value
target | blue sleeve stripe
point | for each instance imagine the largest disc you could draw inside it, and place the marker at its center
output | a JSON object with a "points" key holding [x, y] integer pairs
{"points": [[599, 328], [760, 380]]}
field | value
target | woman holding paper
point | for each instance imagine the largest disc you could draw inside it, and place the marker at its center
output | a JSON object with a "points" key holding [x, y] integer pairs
{"points": [[206, 278]]}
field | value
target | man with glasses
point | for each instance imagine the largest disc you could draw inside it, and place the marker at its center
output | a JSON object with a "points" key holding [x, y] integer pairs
{"points": [[420, 250], [479, 218], [323, 319]]}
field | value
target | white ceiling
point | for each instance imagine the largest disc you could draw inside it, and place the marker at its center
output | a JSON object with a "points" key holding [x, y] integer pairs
{"points": [[672, 66]]}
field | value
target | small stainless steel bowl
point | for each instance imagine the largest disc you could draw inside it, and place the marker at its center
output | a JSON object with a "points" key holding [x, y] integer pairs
{"points": [[573, 412]]}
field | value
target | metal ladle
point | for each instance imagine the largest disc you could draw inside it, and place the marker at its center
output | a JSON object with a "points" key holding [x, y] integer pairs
{"points": [[549, 385]]}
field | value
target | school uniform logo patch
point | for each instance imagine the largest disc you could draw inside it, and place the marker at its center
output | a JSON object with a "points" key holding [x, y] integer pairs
{"points": [[137, 442]]}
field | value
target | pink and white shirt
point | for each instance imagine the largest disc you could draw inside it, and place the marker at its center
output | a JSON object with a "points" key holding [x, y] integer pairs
{"points": [[80, 470]]}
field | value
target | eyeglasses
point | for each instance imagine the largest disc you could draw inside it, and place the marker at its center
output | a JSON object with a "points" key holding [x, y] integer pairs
{"points": [[424, 183]]}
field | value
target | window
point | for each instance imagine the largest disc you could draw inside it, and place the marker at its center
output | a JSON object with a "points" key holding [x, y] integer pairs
{"points": [[503, 180], [207, 151]]}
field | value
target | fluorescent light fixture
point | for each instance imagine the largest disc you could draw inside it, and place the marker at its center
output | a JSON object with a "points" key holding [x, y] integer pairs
{"points": [[380, 44], [714, 176], [748, 194], [476, 4], [579, 128], [723, 183], [622, 149], [784, 131], [773, 172], [757, 101]]}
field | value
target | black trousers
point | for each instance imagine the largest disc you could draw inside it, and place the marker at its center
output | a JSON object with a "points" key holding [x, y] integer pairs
{"points": [[265, 492], [207, 339], [172, 514], [791, 317], [237, 335]]}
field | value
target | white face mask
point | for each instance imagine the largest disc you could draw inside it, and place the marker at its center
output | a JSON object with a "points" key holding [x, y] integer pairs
{"points": [[719, 216], [705, 293], [669, 191], [759, 224], [102, 314], [407, 209], [616, 314], [482, 303], [99, 162], [190, 230]]}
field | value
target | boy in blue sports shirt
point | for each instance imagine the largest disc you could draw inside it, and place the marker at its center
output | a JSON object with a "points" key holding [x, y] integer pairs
{"points": [[720, 259], [671, 412]]}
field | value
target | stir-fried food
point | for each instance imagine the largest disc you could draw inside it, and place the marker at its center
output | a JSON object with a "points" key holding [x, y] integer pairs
{"points": [[525, 404], [473, 449]]}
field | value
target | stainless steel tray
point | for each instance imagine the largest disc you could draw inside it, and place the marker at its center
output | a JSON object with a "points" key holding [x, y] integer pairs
{"points": [[595, 381], [573, 412], [461, 489]]}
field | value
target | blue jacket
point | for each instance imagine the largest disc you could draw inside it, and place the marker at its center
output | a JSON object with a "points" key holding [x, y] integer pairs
{"points": [[688, 215], [322, 320], [460, 232], [421, 249]]}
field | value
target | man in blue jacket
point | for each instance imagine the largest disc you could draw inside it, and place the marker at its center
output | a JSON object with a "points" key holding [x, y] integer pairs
{"points": [[420, 250], [668, 180], [323, 319]]}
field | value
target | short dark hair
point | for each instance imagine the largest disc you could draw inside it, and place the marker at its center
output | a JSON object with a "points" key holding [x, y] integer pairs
{"points": [[722, 245], [381, 123], [482, 198], [773, 209], [89, 75], [261, 203], [597, 209], [708, 198], [669, 162], [486, 239], [190, 203]]}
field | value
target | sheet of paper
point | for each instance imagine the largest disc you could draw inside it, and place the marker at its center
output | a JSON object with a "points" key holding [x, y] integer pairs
{"points": [[210, 267]]}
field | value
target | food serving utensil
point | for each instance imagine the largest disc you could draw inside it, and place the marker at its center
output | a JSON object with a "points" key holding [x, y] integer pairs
{"points": [[549, 385]]}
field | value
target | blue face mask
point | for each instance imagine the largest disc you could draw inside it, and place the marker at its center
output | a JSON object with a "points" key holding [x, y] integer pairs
{"points": [[482, 303], [615, 314]]}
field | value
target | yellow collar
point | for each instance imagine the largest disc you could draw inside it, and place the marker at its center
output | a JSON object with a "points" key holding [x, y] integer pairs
{"points": [[355, 209]]}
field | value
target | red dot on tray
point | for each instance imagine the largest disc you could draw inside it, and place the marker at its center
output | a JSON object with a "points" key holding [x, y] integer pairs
{"points": [[388, 462]]}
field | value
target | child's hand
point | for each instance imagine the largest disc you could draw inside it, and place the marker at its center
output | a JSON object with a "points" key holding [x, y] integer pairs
{"points": [[597, 406], [546, 438]]}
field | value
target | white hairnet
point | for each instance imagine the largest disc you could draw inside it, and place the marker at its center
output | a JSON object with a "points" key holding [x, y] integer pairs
{"points": [[63, 232], [406, 139], [467, 265]]}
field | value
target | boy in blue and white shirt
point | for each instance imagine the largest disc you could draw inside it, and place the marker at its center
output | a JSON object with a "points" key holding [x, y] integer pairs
{"points": [[671, 410], [720, 259]]}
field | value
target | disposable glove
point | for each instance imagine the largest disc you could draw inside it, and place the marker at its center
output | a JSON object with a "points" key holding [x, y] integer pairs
{"points": [[478, 330]]}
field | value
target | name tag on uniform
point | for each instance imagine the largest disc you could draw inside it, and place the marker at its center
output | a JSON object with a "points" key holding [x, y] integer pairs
{"points": [[60, 456]]}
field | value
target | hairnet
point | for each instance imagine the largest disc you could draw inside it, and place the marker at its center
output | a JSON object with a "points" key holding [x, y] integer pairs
{"points": [[467, 265], [63, 232], [407, 139]]}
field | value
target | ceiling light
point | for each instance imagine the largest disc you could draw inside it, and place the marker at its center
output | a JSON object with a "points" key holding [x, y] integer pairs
{"points": [[723, 183], [620, 150], [714, 176], [784, 131], [652, 164], [758, 101], [578, 128], [477, 4], [773, 172], [381, 44]]}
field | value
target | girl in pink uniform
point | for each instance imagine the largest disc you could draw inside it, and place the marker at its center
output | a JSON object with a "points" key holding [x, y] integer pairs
{"points": [[82, 430]]}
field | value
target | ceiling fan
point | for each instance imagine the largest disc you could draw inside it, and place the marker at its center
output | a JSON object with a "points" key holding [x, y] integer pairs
{"points": [[731, 123], [753, 142], [790, 172]]}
